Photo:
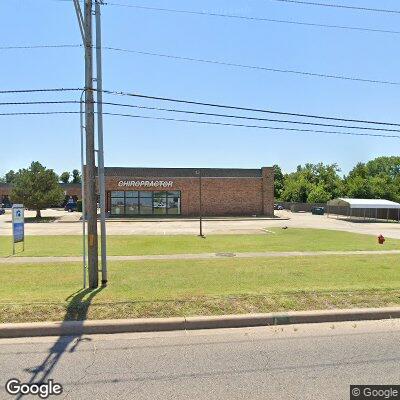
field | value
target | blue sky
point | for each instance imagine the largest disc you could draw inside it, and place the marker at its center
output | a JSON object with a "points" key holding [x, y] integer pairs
{"points": [[54, 140]]}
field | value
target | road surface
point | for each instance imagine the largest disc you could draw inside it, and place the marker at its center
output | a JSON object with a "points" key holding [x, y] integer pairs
{"points": [[315, 361]]}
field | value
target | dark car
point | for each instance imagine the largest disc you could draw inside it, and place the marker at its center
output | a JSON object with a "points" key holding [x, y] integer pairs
{"points": [[70, 207], [318, 210], [2, 211], [278, 207]]}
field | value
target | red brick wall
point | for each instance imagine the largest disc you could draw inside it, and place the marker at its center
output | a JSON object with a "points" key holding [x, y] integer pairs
{"points": [[220, 196]]}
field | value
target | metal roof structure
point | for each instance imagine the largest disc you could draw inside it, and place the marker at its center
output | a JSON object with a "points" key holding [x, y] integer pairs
{"points": [[364, 203]]}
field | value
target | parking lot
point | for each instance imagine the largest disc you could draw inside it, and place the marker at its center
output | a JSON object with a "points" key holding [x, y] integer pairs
{"points": [[69, 224]]}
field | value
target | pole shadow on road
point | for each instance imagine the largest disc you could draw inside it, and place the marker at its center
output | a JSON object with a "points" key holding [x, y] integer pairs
{"points": [[77, 310]]}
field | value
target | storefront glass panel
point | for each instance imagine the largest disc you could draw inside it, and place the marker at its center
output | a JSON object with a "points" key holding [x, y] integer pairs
{"points": [[117, 206], [132, 205], [160, 203], [145, 203]]}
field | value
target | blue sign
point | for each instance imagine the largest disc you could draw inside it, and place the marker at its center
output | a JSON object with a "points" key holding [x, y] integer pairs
{"points": [[18, 222]]}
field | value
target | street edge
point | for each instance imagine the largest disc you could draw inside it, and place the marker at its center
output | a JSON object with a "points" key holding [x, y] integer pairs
{"points": [[73, 328]]}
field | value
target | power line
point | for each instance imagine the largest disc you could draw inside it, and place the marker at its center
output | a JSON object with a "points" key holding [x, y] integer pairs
{"points": [[225, 63], [183, 101], [249, 118], [40, 90], [39, 113], [260, 110], [21, 103], [41, 46], [254, 19], [312, 3], [202, 113], [255, 67], [253, 126], [210, 123]]}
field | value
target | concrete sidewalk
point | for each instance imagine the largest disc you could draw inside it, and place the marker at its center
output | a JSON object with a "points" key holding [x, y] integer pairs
{"points": [[200, 256]]}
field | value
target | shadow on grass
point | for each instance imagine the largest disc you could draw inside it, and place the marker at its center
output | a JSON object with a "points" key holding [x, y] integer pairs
{"points": [[77, 310]]}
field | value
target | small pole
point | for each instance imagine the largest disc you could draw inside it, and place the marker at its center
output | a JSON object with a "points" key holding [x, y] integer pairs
{"points": [[198, 172], [100, 154], [83, 192]]}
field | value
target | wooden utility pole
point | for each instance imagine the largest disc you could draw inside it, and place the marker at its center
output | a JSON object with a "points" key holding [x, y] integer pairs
{"points": [[91, 196]]}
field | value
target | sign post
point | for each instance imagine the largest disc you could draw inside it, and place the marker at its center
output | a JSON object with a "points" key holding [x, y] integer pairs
{"points": [[18, 224]]}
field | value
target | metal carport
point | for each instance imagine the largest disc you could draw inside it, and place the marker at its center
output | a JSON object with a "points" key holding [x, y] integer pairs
{"points": [[365, 209]]}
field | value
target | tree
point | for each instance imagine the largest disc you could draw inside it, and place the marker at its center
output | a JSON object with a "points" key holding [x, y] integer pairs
{"points": [[76, 176], [64, 177], [278, 181], [10, 176], [318, 194], [311, 182], [36, 187], [378, 178]]}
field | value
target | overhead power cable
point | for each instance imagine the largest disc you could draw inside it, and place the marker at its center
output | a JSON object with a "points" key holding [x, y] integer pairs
{"points": [[260, 110], [274, 128], [232, 116], [253, 126], [254, 19], [230, 64], [255, 67], [248, 118], [22, 103], [40, 90], [41, 46], [343, 6]]}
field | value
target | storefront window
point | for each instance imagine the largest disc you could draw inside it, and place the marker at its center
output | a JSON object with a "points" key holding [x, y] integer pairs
{"points": [[174, 203], [160, 202], [117, 206], [146, 203], [132, 205]]}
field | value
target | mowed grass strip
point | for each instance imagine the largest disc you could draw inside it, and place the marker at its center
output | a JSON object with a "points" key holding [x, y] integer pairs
{"points": [[292, 239], [168, 288]]}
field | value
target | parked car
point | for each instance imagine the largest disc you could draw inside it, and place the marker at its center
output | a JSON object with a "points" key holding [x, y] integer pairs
{"points": [[318, 210], [278, 207], [2, 211], [70, 207]]}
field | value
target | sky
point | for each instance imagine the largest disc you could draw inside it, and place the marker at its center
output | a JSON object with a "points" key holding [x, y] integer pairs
{"points": [[54, 139]]}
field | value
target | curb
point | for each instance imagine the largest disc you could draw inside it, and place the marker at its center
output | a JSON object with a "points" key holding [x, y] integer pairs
{"points": [[76, 328]]}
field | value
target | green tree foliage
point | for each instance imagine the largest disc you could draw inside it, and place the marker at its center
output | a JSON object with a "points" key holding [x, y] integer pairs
{"points": [[378, 178], [312, 183], [76, 176], [278, 181], [36, 187], [10, 176], [64, 177]]}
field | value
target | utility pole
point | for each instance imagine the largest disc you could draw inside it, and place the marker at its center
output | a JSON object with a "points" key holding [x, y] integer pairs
{"points": [[91, 197], [100, 153]]}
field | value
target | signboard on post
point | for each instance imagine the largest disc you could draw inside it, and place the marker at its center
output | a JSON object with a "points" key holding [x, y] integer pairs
{"points": [[18, 224]]}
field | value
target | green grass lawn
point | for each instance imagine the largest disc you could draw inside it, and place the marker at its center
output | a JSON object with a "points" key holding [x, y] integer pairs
{"points": [[293, 239], [195, 287]]}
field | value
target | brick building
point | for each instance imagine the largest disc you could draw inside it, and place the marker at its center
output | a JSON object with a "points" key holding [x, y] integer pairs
{"points": [[176, 191]]}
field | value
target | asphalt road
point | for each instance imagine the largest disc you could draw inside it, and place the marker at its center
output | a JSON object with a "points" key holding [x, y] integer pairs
{"points": [[317, 361]]}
